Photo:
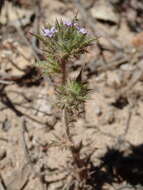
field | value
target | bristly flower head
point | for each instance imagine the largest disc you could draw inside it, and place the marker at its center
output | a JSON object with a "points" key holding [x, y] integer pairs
{"points": [[73, 93], [64, 40]]}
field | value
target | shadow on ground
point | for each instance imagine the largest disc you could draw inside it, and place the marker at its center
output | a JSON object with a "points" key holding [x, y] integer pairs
{"points": [[119, 166]]}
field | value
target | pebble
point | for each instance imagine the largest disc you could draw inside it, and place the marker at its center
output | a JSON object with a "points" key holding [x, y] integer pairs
{"points": [[127, 67], [98, 111]]}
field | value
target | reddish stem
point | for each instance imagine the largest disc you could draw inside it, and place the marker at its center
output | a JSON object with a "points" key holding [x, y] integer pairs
{"points": [[64, 76]]}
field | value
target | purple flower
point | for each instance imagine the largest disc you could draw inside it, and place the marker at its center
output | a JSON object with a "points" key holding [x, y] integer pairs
{"points": [[68, 23], [49, 32], [82, 30]]}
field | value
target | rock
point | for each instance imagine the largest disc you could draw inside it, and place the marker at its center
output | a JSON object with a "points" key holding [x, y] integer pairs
{"points": [[98, 111], [107, 118], [43, 104], [12, 15], [18, 178], [104, 11], [101, 77], [113, 80], [87, 4], [6, 125], [137, 40], [127, 67]]}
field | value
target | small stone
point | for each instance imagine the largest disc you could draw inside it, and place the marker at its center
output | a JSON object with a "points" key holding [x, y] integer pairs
{"points": [[110, 118], [51, 121], [140, 64], [101, 77], [6, 125], [107, 118], [137, 40], [98, 111], [113, 80], [127, 67]]}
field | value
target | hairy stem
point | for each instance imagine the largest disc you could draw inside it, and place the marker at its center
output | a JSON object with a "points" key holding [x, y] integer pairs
{"points": [[64, 71], [78, 164]]}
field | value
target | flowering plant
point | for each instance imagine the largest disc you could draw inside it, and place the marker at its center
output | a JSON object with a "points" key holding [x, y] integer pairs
{"points": [[63, 41], [62, 44]]}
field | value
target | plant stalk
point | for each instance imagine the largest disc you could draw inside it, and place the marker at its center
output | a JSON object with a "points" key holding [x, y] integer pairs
{"points": [[64, 70], [78, 163]]}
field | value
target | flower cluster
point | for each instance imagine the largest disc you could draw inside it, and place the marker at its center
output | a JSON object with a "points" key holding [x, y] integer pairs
{"points": [[81, 30], [69, 23], [63, 41], [50, 32]]}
